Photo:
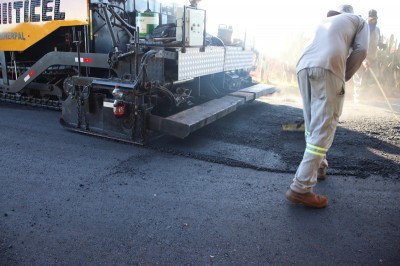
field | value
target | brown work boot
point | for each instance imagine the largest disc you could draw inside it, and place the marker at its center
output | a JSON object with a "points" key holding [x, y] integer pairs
{"points": [[309, 199], [321, 174]]}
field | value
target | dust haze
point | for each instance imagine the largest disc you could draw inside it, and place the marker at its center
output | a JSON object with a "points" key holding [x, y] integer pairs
{"points": [[382, 92]]}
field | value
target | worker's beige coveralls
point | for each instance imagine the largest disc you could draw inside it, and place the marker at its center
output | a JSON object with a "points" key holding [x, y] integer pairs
{"points": [[332, 57]]}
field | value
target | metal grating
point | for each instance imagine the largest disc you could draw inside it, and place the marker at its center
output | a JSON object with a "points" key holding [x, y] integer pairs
{"points": [[237, 58], [194, 63]]}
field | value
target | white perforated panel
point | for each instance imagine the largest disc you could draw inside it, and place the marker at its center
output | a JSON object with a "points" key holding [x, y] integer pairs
{"points": [[194, 63], [237, 58]]}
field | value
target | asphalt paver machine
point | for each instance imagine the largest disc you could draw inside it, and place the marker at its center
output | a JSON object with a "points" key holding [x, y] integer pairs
{"points": [[123, 69]]}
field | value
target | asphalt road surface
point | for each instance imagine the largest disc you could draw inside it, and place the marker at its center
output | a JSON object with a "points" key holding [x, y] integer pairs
{"points": [[215, 198]]}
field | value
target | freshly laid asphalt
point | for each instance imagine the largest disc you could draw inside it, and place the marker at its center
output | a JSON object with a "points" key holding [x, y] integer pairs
{"points": [[215, 198]]}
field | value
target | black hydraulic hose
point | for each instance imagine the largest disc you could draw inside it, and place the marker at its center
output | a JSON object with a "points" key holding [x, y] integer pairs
{"points": [[168, 93], [120, 8], [128, 32], [143, 63], [118, 17], [113, 39]]}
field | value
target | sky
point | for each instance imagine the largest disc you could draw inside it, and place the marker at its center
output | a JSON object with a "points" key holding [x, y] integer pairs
{"points": [[269, 23]]}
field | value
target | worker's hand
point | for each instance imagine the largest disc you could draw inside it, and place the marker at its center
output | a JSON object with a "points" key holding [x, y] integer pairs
{"points": [[365, 64]]}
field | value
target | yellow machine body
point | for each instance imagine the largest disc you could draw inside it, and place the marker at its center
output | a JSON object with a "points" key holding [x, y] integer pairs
{"points": [[23, 23]]}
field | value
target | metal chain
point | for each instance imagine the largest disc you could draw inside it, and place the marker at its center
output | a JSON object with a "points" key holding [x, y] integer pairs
{"points": [[30, 101]]}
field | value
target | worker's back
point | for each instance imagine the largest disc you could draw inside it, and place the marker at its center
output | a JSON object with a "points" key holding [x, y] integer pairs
{"points": [[329, 48]]}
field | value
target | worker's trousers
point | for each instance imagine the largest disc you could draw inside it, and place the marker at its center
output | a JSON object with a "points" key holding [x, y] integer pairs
{"points": [[323, 95]]}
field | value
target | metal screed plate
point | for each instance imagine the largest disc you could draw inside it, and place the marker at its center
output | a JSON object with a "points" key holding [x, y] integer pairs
{"points": [[188, 121]]}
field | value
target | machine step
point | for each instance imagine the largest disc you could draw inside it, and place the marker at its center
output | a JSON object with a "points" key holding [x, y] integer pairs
{"points": [[182, 124]]}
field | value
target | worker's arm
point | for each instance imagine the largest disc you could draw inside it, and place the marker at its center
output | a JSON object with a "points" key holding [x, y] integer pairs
{"points": [[359, 51]]}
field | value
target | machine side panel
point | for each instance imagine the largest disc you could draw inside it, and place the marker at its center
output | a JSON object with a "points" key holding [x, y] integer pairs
{"points": [[193, 63], [23, 23], [238, 58]]}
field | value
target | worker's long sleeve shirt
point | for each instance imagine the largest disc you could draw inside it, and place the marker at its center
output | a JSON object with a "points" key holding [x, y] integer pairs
{"points": [[339, 44]]}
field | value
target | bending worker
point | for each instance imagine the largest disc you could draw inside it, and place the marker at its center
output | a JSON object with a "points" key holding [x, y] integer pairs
{"points": [[331, 58]]}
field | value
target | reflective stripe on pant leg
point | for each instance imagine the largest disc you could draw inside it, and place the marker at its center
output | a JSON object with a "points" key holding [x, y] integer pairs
{"points": [[306, 174], [319, 151]]}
